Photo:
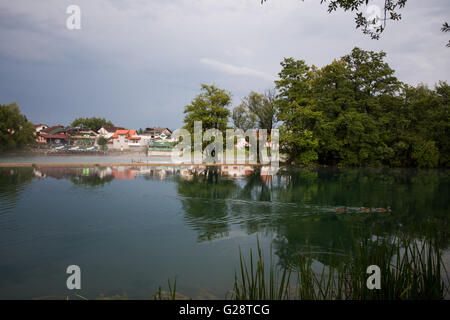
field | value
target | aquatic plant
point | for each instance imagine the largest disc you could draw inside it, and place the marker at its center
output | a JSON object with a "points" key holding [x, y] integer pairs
{"points": [[409, 269], [253, 283], [163, 295]]}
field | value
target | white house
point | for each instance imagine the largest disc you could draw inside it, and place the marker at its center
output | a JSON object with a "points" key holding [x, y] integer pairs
{"points": [[108, 132], [126, 140], [158, 133], [39, 127]]}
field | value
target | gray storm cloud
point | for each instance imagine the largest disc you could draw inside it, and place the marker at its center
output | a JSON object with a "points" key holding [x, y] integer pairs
{"points": [[139, 62]]}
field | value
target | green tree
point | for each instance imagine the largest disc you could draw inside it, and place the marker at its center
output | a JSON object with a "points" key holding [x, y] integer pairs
{"points": [[354, 94], [102, 141], [256, 111], [355, 112], [298, 111], [210, 107], [425, 125], [425, 154], [441, 128], [243, 118], [263, 108], [92, 123], [15, 130]]}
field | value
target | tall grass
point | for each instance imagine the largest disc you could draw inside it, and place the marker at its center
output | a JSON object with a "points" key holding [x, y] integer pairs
{"points": [[253, 283], [410, 269], [170, 295]]}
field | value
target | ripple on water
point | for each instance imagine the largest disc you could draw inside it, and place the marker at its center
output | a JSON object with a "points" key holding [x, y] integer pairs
{"points": [[9, 197], [244, 211]]}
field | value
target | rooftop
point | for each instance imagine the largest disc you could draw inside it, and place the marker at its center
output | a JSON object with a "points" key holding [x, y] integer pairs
{"points": [[128, 133], [112, 129]]}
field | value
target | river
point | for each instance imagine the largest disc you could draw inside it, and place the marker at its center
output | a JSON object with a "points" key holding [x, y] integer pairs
{"points": [[130, 229]]}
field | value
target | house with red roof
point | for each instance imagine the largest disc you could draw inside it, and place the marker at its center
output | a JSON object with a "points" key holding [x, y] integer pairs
{"points": [[125, 140], [51, 135], [57, 138]]}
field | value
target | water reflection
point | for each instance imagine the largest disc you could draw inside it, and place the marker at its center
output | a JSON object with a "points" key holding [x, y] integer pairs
{"points": [[202, 195], [12, 184], [298, 206], [295, 206]]}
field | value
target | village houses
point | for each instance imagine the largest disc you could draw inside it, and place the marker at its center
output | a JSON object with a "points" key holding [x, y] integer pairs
{"points": [[119, 138]]}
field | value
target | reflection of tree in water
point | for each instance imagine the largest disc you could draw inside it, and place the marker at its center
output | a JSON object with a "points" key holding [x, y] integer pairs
{"points": [[418, 200], [415, 196], [322, 238], [92, 177], [296, 227], [12, 182], [92, 180], [203, 201], [256, 188], [298, 206], [254, 208]]}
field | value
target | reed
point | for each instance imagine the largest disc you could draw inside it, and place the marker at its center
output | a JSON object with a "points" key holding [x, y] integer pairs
{"points": [[255, 284], [410, 269], [170, 295]]}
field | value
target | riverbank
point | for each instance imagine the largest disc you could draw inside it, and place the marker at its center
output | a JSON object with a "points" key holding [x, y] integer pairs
{"points": [[37, 157], [56, 152], [141, 164], [122, 159], [30, 159]]}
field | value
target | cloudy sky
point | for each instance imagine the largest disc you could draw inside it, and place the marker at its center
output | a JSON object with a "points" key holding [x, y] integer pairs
{"points": [[139, 62]]}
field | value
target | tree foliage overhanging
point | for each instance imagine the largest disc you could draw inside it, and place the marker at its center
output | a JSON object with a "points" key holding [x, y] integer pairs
{"points": [[15, 130], [355, 112], [370, 26], [375, 24]]}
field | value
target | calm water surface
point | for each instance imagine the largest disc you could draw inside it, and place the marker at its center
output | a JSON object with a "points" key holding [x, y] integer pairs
{"points": [[130, 229], [42, 158]]}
